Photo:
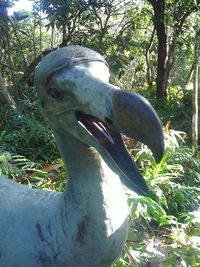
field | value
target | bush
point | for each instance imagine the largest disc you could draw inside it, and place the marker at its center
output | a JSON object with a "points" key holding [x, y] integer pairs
{"points": [[27, 135], [164, 227]]}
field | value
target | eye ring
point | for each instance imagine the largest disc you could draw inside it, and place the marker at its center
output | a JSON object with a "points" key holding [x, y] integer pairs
{"points": [[55, 93]]}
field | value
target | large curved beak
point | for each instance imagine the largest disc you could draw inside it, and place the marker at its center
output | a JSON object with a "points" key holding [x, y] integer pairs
{"points": [[132, 115]]}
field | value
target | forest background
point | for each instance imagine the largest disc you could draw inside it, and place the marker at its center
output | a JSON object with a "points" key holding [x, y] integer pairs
{"points": [[152, 47]]}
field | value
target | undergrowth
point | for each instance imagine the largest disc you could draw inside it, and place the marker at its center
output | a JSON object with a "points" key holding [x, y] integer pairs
{"points": [[26, 134], [165, 227]]}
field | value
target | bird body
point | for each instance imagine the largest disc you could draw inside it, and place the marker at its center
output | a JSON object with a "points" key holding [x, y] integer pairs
{"points": [[87, 224], [79, 227]]}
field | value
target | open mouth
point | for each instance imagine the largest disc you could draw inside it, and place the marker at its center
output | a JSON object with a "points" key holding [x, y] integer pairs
{"points": [[97, 128], [113, 144]]}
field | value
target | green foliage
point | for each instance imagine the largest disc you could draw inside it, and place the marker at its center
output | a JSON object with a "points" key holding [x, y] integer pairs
{"points": [[26, 135], [5, 168], [19, 168], [16, 166], [169, 218]]}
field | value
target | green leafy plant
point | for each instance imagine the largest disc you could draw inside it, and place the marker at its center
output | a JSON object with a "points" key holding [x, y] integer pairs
{"points": [[27, 135], [164, 227]]}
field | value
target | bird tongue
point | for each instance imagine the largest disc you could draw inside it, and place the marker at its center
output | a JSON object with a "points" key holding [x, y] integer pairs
{"points": [[114, 146]]}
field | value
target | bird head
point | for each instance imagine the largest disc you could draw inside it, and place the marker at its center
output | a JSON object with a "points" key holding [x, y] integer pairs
{"points": [[75, 93]]}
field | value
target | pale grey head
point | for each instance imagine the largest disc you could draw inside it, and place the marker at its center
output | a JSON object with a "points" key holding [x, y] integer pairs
{"points": [[77, 98]]}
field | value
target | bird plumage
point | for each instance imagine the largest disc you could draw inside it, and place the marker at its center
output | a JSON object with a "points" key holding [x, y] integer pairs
{"points": [[87, 224]]}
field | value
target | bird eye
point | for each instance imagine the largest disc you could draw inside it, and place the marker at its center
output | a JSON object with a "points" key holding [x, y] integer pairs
{"points": [[55, 93]]}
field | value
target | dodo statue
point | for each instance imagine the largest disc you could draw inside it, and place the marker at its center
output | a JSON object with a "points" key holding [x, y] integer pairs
{"points": [[87, 224]]}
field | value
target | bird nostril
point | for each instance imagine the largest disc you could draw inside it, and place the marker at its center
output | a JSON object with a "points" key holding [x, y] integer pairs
{"points": [[108, 120]]}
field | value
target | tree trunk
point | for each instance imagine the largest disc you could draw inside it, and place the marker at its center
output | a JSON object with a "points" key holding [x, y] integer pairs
{"points": [[4, 31], [64, 37], [40, 14], [149, 69], [52, 37], [158, 20], [19, 42], [195, 96], [5, 97]]}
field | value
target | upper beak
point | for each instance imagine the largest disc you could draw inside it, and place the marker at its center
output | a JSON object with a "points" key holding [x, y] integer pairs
{"points": [[135, 117]]}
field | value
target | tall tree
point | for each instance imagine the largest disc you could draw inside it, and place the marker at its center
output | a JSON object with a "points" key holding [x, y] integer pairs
{"points": [[159, 23], [168, 19]]}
